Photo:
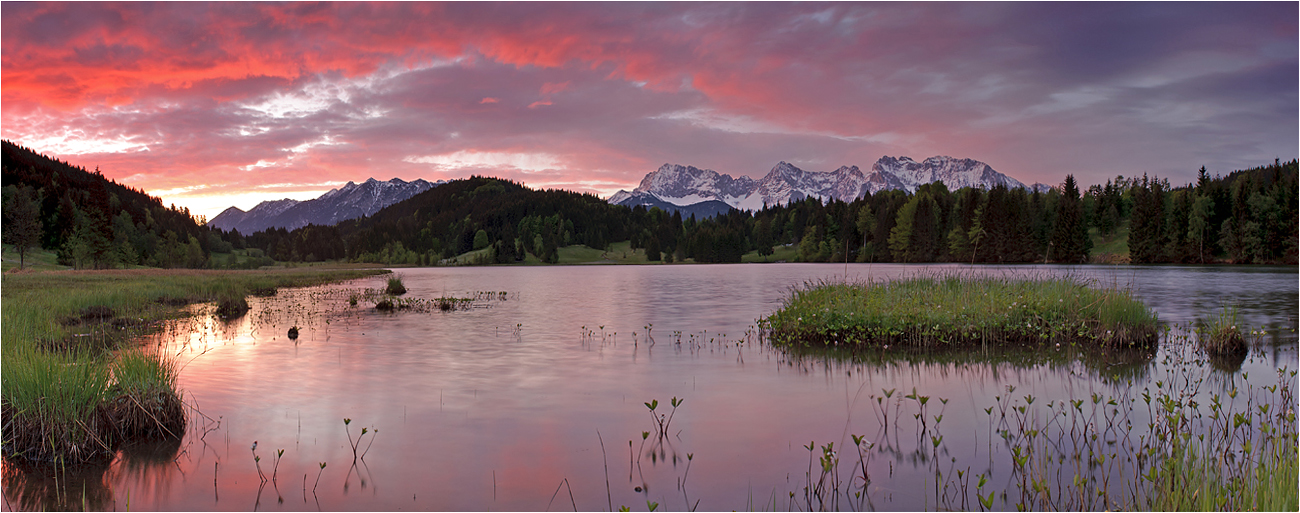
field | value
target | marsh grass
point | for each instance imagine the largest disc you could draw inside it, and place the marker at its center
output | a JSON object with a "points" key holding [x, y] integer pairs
{"points": [[1219, 334], [51, 406], [144, 402], [1184, 437], [395, 286], [955, 310], [67, 395]]}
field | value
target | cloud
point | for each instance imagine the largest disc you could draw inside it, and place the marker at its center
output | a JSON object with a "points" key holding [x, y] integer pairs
{"points": [[231, 96], [474, 160]]}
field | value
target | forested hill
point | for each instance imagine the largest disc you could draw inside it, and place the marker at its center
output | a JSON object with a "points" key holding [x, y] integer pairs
{"points": [[1248, 216], [93, 221], [460, 216]]}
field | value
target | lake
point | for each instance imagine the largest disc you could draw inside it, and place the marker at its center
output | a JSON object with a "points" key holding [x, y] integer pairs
{"points": [[535, 399]]}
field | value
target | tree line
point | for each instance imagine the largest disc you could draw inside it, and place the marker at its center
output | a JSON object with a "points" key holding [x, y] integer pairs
{"points": [[94, 222], [1248, 216]]}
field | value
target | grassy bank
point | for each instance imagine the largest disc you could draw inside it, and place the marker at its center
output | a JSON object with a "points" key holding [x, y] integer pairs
{"points": [[958, 310], [71, 392]]}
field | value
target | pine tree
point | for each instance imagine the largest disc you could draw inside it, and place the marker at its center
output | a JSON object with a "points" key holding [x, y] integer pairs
{"points": [[1069, 242], [22, 224]]}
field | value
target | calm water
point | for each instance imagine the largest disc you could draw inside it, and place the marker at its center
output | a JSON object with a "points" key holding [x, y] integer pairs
{"points": [[499, 406]]}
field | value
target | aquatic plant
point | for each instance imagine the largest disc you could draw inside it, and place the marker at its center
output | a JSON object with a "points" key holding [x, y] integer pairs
{"points": [[954, 310], [318, 473], [59, 332], [1219, 334], [51, 406], [357, 443], [395, 286], [662, 420], [144, 402], [231, 305]]}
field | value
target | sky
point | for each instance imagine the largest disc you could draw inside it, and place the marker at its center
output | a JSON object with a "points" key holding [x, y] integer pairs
{"points": [[214, 105]]}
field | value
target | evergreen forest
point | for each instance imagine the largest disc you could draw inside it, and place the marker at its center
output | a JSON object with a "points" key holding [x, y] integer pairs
{"points": [[1248, 216]]}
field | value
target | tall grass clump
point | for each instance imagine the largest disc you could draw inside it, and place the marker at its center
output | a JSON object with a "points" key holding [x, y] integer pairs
{"points": [[68, 395], [395, 286], [231, 305], [1219, 334], [51, 406], [955, 310], [144, 402]]}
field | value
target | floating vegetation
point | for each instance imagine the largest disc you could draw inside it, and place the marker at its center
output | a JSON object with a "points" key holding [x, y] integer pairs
{"points": [[386, 302], [232, 305], [395, 286], [1168, 445], [954, 311], [1219, 334]]}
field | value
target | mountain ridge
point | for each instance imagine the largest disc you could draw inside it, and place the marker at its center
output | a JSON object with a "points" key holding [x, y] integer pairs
{"points": [[351, 201], [683, 186]]}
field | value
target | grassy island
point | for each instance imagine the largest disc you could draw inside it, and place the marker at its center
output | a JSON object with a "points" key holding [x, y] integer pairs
{"points": [[928, 312], [74, 387]]}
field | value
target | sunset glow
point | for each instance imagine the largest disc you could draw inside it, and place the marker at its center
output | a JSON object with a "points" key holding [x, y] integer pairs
{"points": [[213, 105]]}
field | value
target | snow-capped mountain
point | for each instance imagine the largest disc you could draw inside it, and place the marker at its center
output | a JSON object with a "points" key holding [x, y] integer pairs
{"points": [[348, 202], [687, 185], [955, 173]]}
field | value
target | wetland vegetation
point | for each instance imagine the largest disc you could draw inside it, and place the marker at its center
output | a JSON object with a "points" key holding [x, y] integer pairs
{"points": [[961, 311], [998, 426], [75, 387]]}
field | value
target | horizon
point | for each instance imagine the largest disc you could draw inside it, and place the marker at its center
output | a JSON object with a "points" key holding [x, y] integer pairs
{"points": [[290, 101]]}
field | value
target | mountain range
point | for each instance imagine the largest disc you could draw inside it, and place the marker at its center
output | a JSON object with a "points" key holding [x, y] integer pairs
{"points": [[688, 188], [348, 202]]}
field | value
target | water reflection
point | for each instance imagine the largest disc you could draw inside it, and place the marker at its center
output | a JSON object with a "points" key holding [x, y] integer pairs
{"points": [[1106, 364], [148, 466], [514, 404]]}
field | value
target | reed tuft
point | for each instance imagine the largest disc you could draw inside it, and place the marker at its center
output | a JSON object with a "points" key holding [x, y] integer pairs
{"points": [[955, 310]]}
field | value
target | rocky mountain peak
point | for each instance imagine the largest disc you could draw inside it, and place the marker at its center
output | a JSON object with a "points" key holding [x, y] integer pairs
{"points": [[348, 202], [785, 182]]}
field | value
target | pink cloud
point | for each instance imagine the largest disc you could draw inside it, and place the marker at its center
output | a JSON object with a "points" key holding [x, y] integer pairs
{"points": [[247, 92]]}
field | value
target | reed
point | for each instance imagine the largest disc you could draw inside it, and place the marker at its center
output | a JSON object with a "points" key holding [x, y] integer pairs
{"points": [[51, 406], [395, 286], [68, 395], [144, 401], [1219, 334], [955, 310]]}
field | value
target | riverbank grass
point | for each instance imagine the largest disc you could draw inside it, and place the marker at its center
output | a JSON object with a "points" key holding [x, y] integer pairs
{"points": [[73, 389], [954, 310]]}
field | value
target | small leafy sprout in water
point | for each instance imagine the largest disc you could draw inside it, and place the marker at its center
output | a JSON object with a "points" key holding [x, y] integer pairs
{"points": [[276, 469], [645, 435], [357, 443], [651, 505], [318, 473]]}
